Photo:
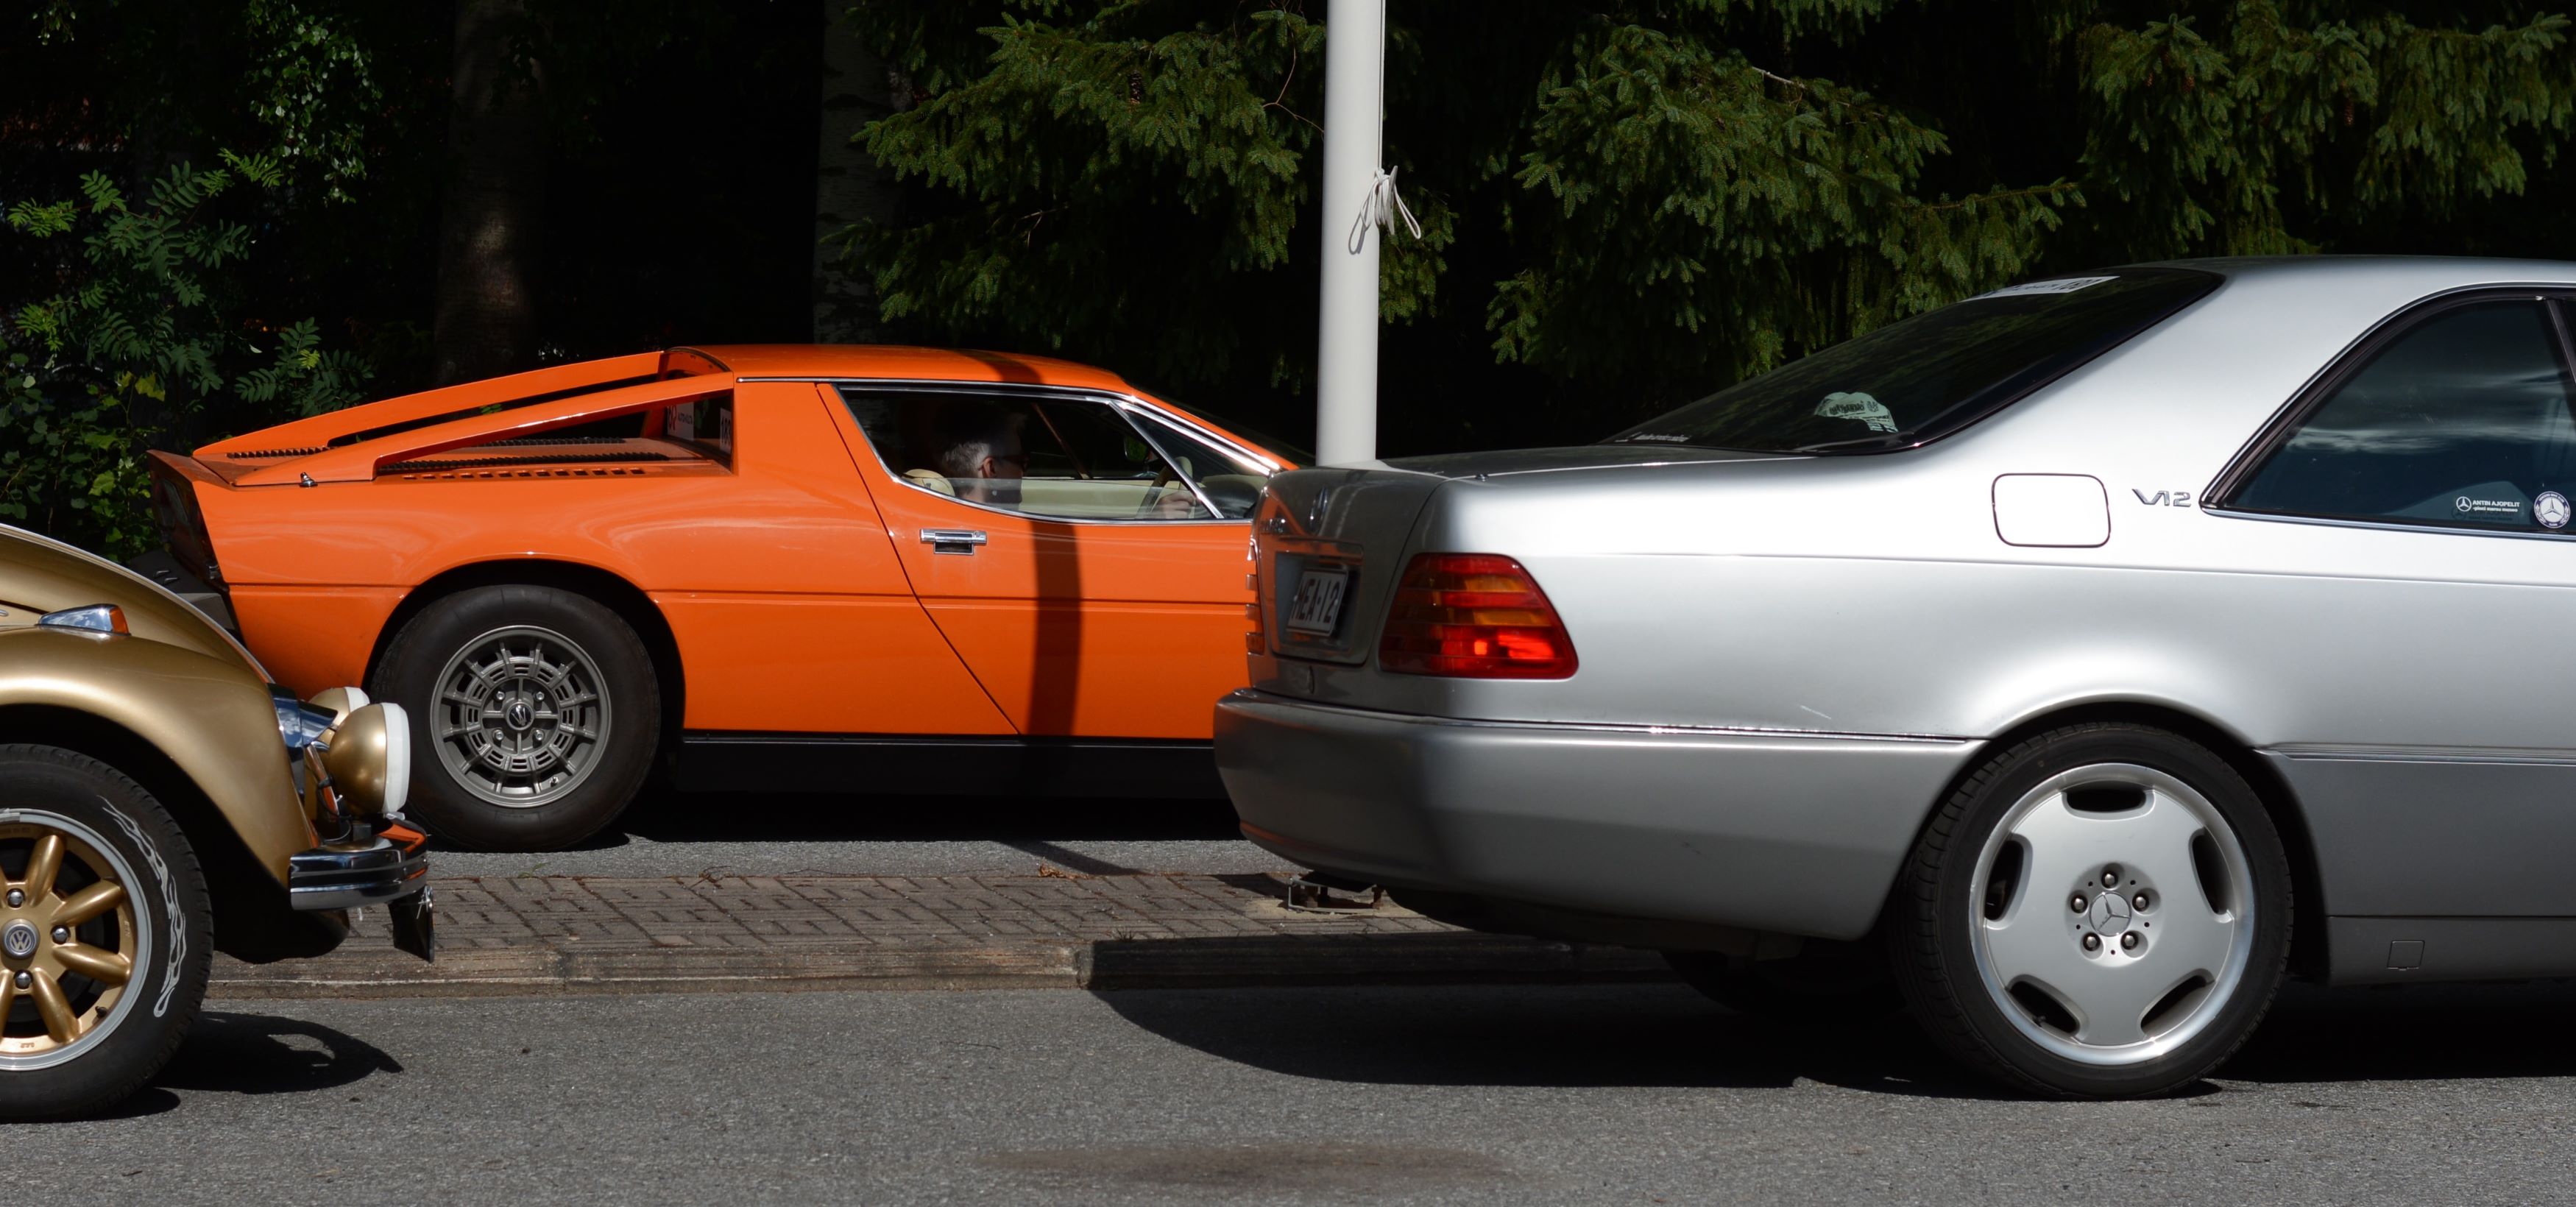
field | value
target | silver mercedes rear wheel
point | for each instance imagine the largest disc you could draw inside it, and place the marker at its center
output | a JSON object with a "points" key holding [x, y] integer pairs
{"points": [[2116, 914], [2102, 910]]}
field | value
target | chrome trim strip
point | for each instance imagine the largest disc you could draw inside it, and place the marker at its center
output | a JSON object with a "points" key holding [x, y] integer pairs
{"points": [[2228, 513], [2327, 752], [1257, 696]]}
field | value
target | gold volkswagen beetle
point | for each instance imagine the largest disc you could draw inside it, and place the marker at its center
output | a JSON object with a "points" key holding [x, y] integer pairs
{"points": [[160, 801]]}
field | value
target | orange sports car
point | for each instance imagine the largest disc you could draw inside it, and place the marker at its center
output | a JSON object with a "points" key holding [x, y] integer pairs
{"points": [[897, 569]]}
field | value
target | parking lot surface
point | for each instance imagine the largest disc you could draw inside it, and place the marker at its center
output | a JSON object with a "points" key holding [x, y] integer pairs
{"points": [[761, 834], [1620, 1094]]}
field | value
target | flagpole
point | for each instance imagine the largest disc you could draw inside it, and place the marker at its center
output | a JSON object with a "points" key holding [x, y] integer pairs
{"points": [[1354, 111]]}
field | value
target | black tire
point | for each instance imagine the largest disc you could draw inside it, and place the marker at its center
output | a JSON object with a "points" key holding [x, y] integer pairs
{"points": [[1824, 984], [1933, 916], [457, 811], [40, 787]]}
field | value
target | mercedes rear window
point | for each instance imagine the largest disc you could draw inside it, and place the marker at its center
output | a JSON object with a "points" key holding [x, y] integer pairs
{"points": [[1918, 380]]}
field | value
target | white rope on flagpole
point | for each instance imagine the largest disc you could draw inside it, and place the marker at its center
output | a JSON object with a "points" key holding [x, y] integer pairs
{"points": [[1381, 208]]}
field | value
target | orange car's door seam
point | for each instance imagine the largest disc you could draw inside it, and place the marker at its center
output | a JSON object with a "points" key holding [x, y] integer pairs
{"points": [[843, 425]]}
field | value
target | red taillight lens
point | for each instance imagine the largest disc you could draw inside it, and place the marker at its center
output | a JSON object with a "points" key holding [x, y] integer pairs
{"points": [[1473, 616]]}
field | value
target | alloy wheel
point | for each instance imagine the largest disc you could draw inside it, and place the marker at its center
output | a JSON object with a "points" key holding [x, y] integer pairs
{"points": [[521, 716], [69, 939], [2115, 914]]}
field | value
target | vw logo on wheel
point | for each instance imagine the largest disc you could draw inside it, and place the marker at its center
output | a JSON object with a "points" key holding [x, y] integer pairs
{"points": [[19, 940]]}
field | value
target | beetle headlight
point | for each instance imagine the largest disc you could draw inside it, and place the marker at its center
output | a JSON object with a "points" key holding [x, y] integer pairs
{"points": [[339, 701], [368, 756]]}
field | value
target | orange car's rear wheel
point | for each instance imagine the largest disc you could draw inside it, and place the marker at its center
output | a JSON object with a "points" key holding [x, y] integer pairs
{"points": [[536, 712], [104, 940]]}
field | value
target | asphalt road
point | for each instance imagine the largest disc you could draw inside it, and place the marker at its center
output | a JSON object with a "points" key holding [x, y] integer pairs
{"points": [[671, 834], [1639, 1094]]}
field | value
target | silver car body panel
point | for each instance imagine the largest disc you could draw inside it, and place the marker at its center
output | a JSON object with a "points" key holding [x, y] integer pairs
{"points": [[2406, 683]]}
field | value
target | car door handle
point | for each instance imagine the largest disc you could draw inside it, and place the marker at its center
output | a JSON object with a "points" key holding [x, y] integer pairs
{"points": [[951, 540]]}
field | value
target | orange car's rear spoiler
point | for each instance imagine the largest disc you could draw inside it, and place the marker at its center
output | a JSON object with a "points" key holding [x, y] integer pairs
{"points": [[348, 445]]}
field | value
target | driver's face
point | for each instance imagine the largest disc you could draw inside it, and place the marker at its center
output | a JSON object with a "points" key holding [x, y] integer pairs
{"points": [[1001, 473]]}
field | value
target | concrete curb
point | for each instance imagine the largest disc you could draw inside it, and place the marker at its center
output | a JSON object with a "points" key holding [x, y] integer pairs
{"points": [[1172, 963]]}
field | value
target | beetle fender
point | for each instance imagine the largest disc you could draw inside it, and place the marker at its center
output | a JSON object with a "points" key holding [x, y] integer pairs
{"points": [[212, 719]]}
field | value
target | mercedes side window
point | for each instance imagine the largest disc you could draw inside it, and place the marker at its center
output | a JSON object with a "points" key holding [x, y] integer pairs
{"points": [[1052, 458], [2460, 421]]}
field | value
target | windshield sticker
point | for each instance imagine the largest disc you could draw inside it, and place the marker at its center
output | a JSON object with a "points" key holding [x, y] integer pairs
{"points": [[1856, 405], [2551, 509], [1658, 436], [2043, 288], [2469, 505]]}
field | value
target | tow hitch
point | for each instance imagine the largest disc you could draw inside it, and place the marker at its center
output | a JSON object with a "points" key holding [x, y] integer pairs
{"points": [[1313, 893]]}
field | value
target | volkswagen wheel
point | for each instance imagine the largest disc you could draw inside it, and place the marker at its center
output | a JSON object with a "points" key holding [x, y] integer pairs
{"points": [[104, 934]]}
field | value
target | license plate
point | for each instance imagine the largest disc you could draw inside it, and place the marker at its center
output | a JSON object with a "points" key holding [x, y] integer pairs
{"points": [[1317, 606]]}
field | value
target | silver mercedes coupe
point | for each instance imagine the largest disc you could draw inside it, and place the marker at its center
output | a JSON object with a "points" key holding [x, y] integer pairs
{"points": [[2067, 665]]}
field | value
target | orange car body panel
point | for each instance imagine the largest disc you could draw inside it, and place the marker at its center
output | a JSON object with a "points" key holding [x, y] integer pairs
{"points": [[792, 581]]}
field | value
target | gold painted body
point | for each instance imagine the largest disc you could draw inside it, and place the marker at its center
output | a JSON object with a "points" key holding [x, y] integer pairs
{"points": [[39, 575], [176, 681]]}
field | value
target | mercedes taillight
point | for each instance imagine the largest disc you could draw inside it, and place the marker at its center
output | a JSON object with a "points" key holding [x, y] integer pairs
{"points": [[1473, 616]]}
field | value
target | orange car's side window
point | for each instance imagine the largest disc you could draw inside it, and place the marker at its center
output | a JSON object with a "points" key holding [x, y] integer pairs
{"points": [[1046, 457]]}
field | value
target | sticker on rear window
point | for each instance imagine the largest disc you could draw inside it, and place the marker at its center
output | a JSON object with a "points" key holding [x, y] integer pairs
{"points": [[2551, 509], [2043, 288], [1856, 405]]}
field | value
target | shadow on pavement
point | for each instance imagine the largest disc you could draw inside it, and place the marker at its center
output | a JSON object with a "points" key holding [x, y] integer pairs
{"points": [[1519, 1036], [1667, 1036], [663, 815], [264, 1054], [2413, 1032]]}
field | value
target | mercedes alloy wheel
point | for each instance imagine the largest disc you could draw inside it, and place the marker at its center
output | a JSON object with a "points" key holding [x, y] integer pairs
{"points": [[2100, 911]]}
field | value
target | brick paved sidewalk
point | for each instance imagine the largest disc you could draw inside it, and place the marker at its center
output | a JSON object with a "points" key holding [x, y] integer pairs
{"points": [[535, 934]]}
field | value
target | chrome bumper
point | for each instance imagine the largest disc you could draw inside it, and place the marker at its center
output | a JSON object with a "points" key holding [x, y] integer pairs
{"points": [[1786, 833], [391, 867]]}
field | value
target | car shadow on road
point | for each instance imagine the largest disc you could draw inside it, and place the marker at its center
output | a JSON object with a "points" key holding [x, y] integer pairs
{"points": [[2412, 1033], [1571, 1036], [664, 815], [266, 1054], [1667, 1036]]}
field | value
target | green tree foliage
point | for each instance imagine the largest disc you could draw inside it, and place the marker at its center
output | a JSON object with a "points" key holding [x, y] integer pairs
{"points": [[1629, 202], [142, 334]]}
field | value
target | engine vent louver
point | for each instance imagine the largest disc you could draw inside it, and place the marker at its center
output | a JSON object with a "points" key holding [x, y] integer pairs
{"points": [[576, 471], [456, 463], [264, 454], [530, 441]]}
